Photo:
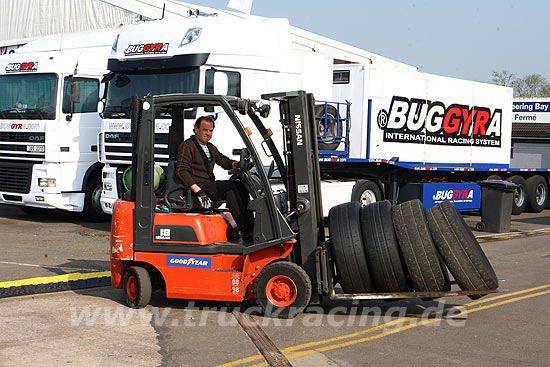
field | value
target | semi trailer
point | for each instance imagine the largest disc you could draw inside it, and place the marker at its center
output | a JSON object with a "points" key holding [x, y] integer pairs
{"points": [[49, 93], [385, 130]]}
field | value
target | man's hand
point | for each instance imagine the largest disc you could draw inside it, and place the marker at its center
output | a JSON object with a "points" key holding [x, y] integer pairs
{"points": [[235, 165], [204, 199]]}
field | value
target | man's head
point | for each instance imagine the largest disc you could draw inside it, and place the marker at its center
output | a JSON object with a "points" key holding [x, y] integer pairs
{"points": [[204, 128]]}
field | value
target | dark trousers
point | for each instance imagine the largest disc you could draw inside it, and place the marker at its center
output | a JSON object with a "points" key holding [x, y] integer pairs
{"points": [[236, 198]]}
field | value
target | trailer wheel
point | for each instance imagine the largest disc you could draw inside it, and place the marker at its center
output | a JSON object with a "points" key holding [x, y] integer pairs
{"points": [[383, 256], [460, 250], [347, 248], [494, 177], [366, 192], [331, 130], [92, 205], [425, 266], [537, 194], [137, 287], [282, 289], [519, 195]]}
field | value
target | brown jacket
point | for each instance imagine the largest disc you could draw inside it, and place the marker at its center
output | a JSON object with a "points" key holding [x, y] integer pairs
{"points": [[193, 166]]}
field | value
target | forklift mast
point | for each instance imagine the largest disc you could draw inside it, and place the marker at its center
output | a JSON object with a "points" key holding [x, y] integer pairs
{"points": [[303, 178]]}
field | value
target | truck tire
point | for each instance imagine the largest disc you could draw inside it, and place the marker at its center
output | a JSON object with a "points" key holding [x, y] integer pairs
{"points": [[383, 256], [282, 289], [460, 250], [426, 268], [137, 287], [366, 192], [333, 127], [519, 195], [537, 194], [92, 206], [347, 248]]}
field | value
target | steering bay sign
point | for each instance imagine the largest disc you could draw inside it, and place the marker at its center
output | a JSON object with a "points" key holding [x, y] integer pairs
{"points": [[532, 110]]}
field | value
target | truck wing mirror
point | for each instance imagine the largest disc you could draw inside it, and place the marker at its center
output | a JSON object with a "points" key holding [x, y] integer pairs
{"points": [[75, 92]]}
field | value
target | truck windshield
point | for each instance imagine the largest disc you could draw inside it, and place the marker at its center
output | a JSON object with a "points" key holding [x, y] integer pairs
{"points": [[28, 97], [122, 87]]}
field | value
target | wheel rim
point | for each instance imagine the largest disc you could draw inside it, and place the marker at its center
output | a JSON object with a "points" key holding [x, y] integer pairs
{"points": [[131, 287], [331, 128], [281, 291], [540, 195], [367, 197], [519, 196]]}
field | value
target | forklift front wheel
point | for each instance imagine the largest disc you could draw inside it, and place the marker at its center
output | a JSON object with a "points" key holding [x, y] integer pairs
{"points": [[137, 286], [283, 290]]}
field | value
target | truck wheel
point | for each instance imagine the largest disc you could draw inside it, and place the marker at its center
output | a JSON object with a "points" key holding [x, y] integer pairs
{"points": [[519, 195], [366, 192], [92, 205], [332, 129], [282, 289], [137, 287], [537, 194], [425, 266], [347, 248], [383, 255], [460, 250]]}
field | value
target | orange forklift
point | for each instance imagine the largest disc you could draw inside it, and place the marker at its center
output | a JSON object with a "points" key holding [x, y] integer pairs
{"points": [[191, 253]]}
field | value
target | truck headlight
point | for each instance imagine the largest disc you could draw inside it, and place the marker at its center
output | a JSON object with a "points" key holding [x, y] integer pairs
{"points": [[46, 182], [192, 35]]}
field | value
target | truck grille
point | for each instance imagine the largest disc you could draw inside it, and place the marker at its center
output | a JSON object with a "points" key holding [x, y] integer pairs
{"points": [[15, 177], [14, 145], [118, 148]]}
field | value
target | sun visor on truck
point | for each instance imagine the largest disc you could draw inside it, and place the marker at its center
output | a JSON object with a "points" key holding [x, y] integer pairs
{"points": [[171, 63]]}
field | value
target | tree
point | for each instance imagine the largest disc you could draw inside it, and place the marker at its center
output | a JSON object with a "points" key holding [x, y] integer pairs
{"points": [[504, 78], [530, 86]]}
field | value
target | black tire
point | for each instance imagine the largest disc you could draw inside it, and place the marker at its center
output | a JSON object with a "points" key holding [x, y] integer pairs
{"points": [[460, 250], [137, 287], [519, 195], [347, 248], [366, 192], [537, 194], [92, 206], [333, 126], [423, 262], [383, 256], [282, 290]]}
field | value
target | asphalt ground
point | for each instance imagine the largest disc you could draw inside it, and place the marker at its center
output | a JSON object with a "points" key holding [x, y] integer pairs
{"points": [[92, 326]]}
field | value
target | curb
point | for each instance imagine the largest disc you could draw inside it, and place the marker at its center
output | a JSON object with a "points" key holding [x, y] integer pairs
{"points": [[71, 281]]}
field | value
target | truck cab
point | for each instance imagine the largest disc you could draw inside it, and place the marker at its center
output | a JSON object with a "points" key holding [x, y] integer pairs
{"points": [[49, 122]]}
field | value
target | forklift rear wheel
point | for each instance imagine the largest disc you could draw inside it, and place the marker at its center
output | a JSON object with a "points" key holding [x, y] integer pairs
{"points": [[282, 289], [137, 286]]}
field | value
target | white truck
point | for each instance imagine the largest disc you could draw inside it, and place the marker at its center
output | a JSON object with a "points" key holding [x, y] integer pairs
{"points": [[385, 129], [49, 92]]}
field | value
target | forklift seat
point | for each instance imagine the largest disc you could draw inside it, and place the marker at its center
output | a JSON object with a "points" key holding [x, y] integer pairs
{"points": [[177, 196]]}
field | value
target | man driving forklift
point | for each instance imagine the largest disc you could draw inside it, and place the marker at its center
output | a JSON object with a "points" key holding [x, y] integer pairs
{"points": [[195, 166]]}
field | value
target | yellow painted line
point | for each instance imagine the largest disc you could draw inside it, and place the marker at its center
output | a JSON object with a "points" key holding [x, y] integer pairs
{"points": [[55, 279], [325, 341], [412, 325], [506, 295], [511, 235], [387, 333]]}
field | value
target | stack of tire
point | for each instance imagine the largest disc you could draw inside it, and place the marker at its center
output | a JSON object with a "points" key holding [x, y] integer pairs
{"points": [[378, 248]]}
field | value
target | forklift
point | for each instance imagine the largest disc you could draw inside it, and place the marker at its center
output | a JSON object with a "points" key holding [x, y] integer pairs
{"points": [[190, 253]]}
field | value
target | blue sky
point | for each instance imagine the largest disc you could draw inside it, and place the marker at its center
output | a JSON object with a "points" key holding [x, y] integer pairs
{"points": [[465, 39]]}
